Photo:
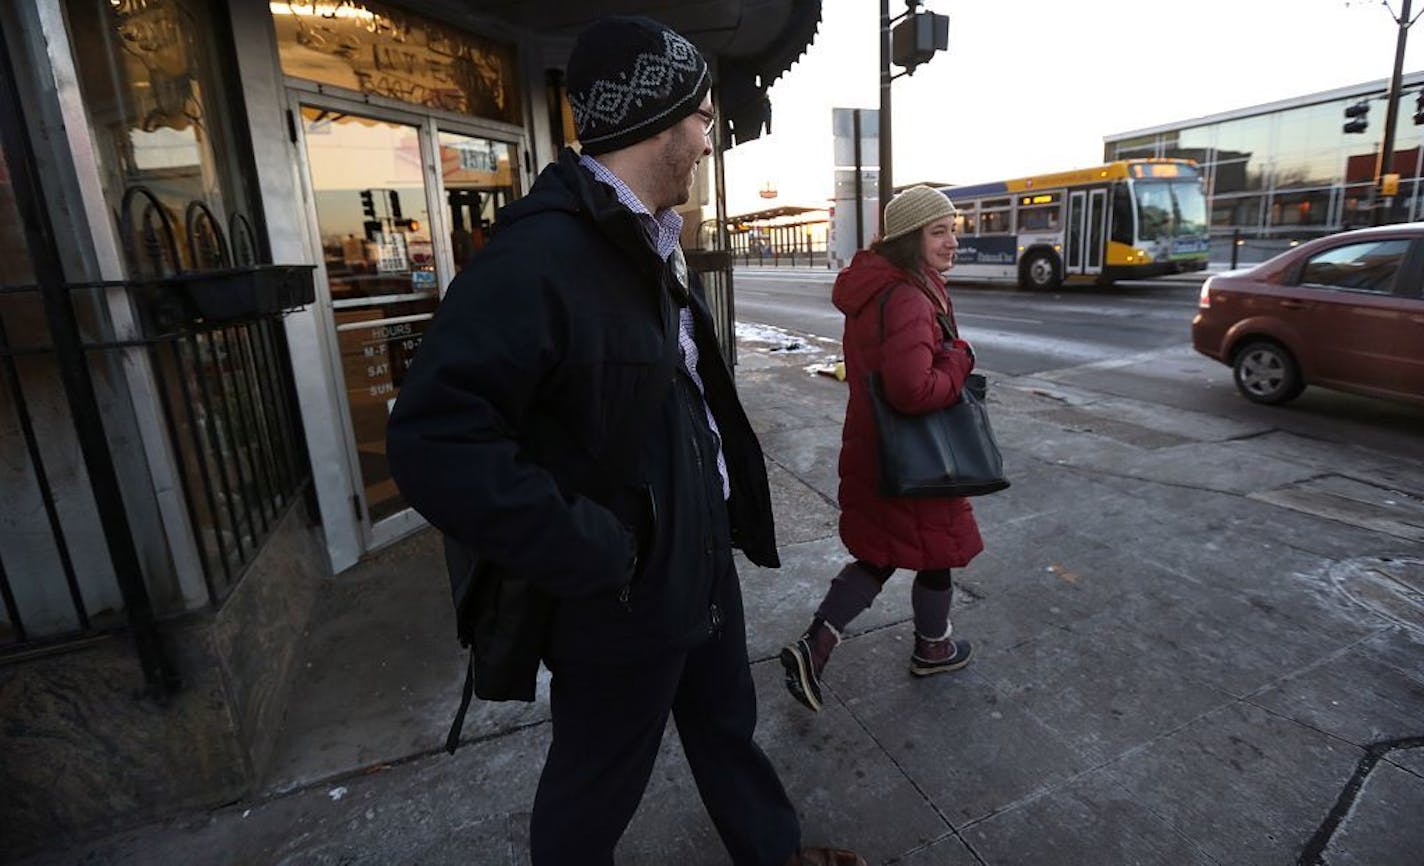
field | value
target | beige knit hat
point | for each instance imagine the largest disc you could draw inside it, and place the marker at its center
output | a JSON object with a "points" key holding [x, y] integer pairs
{"points": [[914, 209]]}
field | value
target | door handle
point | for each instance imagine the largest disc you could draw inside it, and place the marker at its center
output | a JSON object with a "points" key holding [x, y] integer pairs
{"points": [[1293, 305]]}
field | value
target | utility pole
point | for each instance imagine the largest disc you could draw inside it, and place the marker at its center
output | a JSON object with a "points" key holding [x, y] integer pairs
{"points": [[887, 185], [916, 37], [1385, 162]]}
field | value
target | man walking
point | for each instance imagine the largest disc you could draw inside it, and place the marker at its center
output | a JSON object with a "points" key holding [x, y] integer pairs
{"points": [[570, 420]]}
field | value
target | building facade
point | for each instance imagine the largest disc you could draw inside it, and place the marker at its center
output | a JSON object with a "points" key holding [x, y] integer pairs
{"points": [[1287, 171], [224, 225]]}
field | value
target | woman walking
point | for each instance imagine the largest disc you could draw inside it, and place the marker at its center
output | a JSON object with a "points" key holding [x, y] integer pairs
{"points": [[900, 324]]}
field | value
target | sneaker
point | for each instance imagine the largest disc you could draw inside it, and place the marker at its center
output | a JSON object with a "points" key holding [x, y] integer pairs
{"points": [[825, 857], [804, 661], [939, 656]]}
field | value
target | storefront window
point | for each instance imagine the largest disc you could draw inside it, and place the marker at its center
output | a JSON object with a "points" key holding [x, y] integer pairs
{"points": [[382, 51], [1242, 212], [1133, 148], [1197, 143], [1308, 208], [152, 77], [1309, 152]]}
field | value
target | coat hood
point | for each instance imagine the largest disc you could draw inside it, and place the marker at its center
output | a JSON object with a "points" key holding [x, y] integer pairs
{"points": [[566, 187], [862, 281]]}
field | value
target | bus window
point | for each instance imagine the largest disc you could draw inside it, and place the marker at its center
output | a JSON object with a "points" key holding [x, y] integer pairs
{"points": [[994, 216], [1121, 215], [1044, 218], [964, 221], [1154, 211]]}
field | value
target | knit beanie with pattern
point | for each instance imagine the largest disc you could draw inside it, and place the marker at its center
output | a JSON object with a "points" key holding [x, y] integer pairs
{"points": [[914, 209], [630, 78]]}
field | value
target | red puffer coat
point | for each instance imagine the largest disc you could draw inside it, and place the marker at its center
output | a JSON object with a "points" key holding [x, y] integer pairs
{"points": [[921, 373]]}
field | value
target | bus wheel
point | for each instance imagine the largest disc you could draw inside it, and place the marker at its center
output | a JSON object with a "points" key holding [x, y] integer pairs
{"points": [[1040, 272]]}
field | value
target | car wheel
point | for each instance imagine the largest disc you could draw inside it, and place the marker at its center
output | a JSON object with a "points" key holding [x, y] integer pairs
{"points": [[1266, 373], [1040, 272]]}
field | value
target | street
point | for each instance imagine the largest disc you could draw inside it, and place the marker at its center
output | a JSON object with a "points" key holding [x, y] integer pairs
{"points": [[1132, 340]]}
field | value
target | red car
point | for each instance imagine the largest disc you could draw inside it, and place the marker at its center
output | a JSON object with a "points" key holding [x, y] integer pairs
{"points": [[1344, 312]]}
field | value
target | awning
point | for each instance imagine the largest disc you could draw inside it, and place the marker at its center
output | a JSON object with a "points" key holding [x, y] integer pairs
{"points": [[751, 43]]}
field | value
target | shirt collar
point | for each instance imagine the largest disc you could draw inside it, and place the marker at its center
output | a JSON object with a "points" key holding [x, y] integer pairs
{"points": [[664, 227]]}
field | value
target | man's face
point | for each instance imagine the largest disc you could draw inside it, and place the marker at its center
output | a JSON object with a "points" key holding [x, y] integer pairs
{"points": [[683, 147]]}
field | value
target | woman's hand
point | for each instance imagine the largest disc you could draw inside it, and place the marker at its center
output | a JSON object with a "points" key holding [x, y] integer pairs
{"points": [[968, 350]]}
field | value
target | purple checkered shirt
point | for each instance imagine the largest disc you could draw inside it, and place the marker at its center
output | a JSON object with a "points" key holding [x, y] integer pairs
{"points": [[664, 229]]}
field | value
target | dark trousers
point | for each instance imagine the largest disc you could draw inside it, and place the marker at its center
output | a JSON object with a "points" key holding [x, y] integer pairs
{"points": [[608, 725]]}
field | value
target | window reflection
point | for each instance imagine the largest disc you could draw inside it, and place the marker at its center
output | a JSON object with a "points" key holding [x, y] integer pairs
{"points": [[479, 180], [1367, 267], [153, 90], [381, 50]]}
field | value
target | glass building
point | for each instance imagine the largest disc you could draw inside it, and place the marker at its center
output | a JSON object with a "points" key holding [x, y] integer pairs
{"points": [[1286, 171]]}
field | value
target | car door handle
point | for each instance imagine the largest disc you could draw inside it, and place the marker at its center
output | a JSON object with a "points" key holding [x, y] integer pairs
{"points": [[1293, 305]]}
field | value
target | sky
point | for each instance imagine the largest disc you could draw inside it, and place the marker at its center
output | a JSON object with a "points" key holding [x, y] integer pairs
{"points": [[1030, 86]]}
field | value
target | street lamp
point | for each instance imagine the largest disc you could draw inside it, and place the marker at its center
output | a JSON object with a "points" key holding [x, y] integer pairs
{"points": [[915, 38]]}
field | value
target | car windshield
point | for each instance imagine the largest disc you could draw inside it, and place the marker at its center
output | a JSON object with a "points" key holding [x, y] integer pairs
{"points": [[1170, 209]]}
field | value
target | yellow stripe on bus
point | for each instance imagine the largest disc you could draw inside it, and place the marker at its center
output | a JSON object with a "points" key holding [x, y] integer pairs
{"points": [[1079, 177]]}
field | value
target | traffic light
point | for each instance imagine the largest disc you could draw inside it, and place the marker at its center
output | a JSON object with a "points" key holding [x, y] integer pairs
{"points": [[1419, 108], [395, 206], [368, 204], [1358, 117]]}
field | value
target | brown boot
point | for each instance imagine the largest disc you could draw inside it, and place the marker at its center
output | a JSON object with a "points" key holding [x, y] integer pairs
{"points": [[804, 661], [939, 656], [825, 857]]}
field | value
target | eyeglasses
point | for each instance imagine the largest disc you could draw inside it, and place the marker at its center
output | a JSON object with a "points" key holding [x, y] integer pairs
{"points": [[709, 121]]}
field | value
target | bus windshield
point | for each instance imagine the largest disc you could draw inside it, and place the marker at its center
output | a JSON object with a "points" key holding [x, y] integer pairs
{"points": [[1191, 207], [1167, 209]]}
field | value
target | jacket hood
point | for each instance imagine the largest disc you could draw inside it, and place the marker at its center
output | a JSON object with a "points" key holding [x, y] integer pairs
{"points": [[867, 275], [566, 187]]}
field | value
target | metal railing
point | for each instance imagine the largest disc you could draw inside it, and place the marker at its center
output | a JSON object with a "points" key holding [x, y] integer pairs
{"points": [[215, 348], [775, 257], [715, 269]]}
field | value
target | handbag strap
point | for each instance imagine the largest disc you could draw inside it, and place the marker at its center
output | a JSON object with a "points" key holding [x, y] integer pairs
{"points": [[946, 323]]}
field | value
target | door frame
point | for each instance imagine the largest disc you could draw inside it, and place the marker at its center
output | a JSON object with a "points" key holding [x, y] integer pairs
{"points": [[428, 123], [1081, 256], [1095, 232]]}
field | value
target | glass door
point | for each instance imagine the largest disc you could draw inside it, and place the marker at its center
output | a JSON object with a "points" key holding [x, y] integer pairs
{"points": [[477, 175], [388, 249], [1073, 243], [1097, 222]]}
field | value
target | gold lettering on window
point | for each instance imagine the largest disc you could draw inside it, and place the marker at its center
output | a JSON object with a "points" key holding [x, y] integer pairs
{"points": [[383, 51]]}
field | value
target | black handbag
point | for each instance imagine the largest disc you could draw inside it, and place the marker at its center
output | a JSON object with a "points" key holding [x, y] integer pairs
{"points": [[947, 452]]}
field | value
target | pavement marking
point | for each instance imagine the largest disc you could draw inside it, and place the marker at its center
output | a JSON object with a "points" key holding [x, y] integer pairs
{"points": [[959, 315], [1391, 586], [1352, 502], [1116, 363]]}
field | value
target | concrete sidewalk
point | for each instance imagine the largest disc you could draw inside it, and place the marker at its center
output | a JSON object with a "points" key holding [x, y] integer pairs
{"points": [[1199, 641]]}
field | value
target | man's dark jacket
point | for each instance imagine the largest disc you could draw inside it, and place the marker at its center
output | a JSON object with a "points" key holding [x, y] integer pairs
{"points": [[501, 434]]}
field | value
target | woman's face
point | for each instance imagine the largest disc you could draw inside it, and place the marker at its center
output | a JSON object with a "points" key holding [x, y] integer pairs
{"points": [[938, 244]]}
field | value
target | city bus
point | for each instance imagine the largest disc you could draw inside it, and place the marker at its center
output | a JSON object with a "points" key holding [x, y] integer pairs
{"points": [[1124, 220]]}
